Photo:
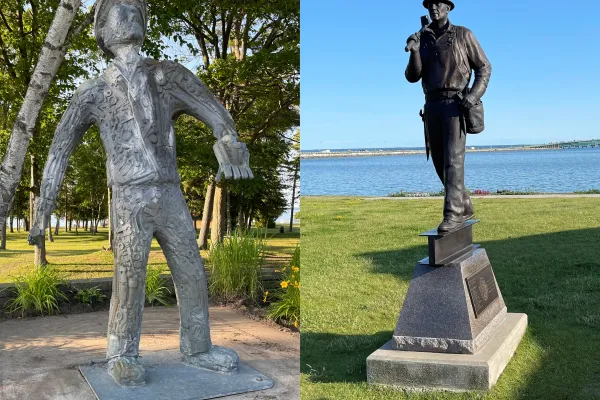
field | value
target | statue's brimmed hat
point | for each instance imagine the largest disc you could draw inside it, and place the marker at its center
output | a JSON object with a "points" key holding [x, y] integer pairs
{"points": [[103, 8], [450, 3]]}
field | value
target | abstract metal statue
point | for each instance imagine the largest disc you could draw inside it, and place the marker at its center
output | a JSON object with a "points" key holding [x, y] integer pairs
{"points": [[443, 56], [134, 103]]}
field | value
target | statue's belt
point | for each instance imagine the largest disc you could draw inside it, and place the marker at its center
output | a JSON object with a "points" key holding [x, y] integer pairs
{"points": [[442, 95]]}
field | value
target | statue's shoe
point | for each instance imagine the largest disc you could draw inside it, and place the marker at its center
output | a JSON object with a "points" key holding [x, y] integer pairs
{"points": [[127, 371], [448, 225], [220, 359], [469, 211]]}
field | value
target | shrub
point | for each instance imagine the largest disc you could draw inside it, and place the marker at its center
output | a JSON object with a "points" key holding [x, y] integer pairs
{"points": [[404, 193], [156, 291], [286, 303], [516, 192], [91, 296], [235, 267], [589, 191], [37, 292]]}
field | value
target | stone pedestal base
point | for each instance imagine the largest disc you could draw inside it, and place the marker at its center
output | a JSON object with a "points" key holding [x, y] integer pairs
{"points": [[444, 371], [175, 381]]}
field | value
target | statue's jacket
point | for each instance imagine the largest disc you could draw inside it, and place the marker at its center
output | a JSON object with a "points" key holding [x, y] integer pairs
{"points": [[136, 121], [448, 61]]}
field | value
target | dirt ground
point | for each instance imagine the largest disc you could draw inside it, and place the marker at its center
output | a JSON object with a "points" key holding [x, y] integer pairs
{"points": [[39, 356]]}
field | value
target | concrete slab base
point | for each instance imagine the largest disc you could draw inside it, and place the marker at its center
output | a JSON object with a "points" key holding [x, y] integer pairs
{"points": [[175, 381], [443, 371]]}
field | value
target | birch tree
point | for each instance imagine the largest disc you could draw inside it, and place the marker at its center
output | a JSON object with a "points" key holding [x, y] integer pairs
{"points": [[38, 83]]}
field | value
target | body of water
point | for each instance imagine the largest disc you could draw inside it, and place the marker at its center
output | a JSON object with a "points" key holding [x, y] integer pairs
{"points": [[556, 171]]}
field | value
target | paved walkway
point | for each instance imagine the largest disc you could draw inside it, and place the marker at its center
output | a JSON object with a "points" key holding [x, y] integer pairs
{"points": [[39, 356]]}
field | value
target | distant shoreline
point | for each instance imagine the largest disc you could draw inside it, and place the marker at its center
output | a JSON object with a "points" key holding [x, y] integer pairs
{"points": [[372, 153]]}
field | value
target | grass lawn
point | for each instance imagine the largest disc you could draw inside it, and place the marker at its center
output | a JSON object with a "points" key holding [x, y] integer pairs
{"points": [[82, 257], [360, 255]]}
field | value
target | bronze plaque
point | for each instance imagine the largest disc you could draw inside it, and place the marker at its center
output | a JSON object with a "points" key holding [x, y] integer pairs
{"points": [[482, 289]]}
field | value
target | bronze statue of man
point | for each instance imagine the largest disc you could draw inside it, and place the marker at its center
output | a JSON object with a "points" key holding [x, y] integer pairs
{"points": [[134, 103], [443, 56]]}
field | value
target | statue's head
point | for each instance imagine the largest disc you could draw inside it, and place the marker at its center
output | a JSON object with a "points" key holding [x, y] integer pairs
{"points": [[438, 9], [120, 22]]}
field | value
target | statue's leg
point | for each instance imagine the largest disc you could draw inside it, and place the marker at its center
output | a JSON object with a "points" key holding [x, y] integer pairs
{"points": [[454, 161], [436, 139], [177, 237], [132, 240]]}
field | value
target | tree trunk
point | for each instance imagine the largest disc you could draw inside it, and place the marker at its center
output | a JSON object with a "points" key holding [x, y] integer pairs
{"points": [[293, 197], [57, 228], [228, 211], [250, 216], [39, 257], [110, 222], [216, 232], [26, 224], [51, 56], [66, 210], [32, 187], [3, 234], [40, 253], [50, 238], [206, 215], [12, 229], [241, 221]]}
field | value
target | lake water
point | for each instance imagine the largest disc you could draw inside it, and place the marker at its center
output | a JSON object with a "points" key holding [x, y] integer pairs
{"points": [[553, 171]]}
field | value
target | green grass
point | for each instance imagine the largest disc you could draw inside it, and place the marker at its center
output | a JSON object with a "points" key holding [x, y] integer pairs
{"points": [[359, 256], [82, 257]]}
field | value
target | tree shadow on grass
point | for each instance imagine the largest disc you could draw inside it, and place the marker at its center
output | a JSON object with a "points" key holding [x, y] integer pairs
{"points": [[554, 278], [69, 253], [328, 357]]}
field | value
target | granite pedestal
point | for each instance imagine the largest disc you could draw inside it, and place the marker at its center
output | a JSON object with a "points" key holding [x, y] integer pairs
{"points": [[454, 331]]}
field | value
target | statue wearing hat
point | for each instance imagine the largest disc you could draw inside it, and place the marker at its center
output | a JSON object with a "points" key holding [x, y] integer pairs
{"points": [[134, 103], [443, 56]]}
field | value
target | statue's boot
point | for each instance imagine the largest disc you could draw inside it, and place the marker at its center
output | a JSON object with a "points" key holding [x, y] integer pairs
{"points": [[448, 225], [127, 371], [219, 359], [469, 212]]}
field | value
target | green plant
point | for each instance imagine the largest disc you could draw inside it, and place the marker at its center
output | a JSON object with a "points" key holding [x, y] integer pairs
{"points": [[156, 291], [90, 296], [287, 304], [37, 292], [510, 192], [589, 191], [235, 267]]}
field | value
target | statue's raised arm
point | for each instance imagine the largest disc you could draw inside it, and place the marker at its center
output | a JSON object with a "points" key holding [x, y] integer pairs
{"points": [[74, 123]]}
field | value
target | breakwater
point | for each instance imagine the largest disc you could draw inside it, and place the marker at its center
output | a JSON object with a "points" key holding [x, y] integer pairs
{"points": [[374, 152]]}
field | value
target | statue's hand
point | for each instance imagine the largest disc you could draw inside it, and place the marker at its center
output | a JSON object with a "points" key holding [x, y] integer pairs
{"points": [[36, 235], [469, 101], [413, 43], [234, 159]]}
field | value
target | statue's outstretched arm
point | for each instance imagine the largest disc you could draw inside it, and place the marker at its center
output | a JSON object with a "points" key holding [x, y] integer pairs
{"points": [[197, 100], [73, 124]]}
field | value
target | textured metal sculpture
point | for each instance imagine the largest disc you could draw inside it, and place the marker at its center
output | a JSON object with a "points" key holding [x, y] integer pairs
{"points": [[443, 56], [134, 103]]}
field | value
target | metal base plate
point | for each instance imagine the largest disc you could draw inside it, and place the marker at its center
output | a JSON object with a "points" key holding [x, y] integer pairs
{"points": [[175, 381]]}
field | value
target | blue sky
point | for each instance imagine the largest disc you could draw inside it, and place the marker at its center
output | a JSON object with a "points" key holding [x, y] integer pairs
{"points": [[544, 87]]}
